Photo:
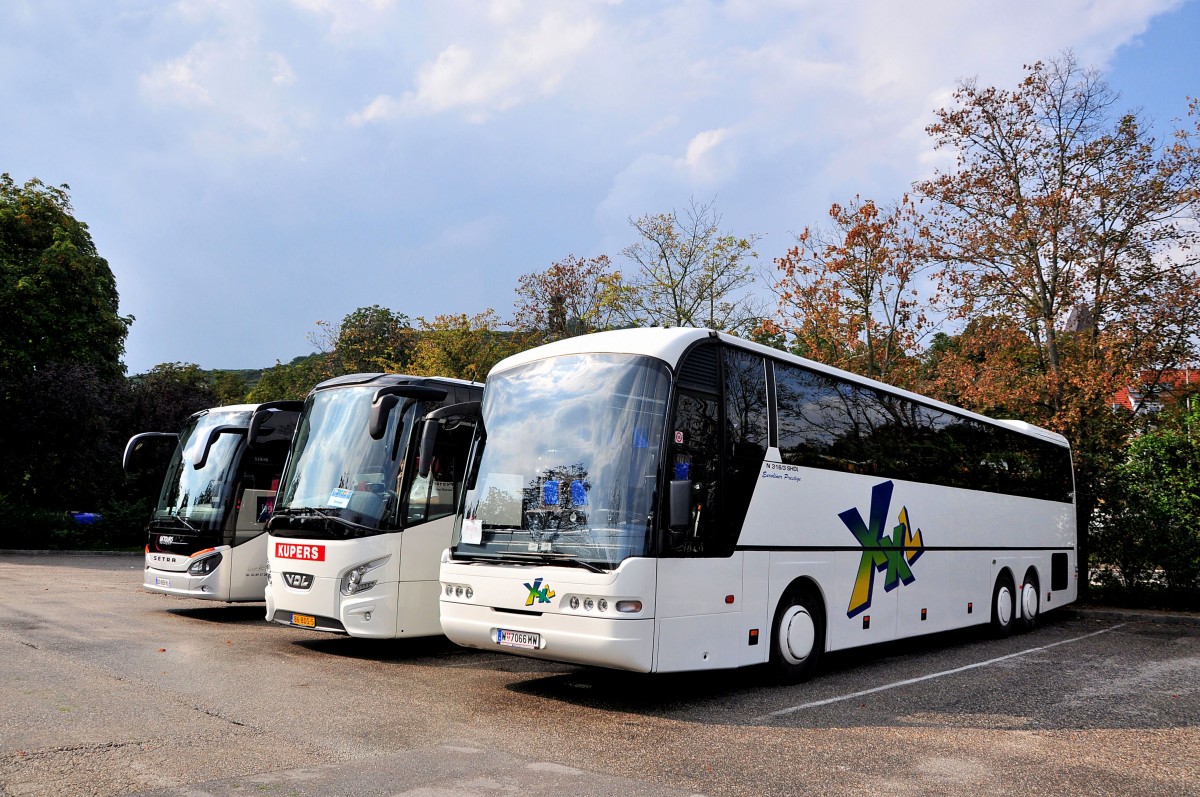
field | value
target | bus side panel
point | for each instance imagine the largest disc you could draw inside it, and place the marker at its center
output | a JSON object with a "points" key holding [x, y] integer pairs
{"points": [[753, 638], [954, 591], [850, 624], [698, 613], [421, 549], [247, 570], [419, 588]]}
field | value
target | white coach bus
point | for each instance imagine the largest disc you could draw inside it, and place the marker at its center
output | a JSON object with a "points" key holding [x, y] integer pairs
{"points": [[206, 537], [662, 500], [356, 534]]}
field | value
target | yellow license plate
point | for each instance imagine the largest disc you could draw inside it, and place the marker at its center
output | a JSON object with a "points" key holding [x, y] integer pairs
{"points": [[305, 620]]}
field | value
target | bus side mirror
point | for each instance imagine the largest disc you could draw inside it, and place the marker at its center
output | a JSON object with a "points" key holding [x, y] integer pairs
{"points": [[386, 399], [216, 432], [380, 410], [679, 512], [270, 412], [149, 450]]}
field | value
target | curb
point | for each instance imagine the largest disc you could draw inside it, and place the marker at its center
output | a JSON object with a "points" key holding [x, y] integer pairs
{"points": [[6, 552], [1134, 615]]}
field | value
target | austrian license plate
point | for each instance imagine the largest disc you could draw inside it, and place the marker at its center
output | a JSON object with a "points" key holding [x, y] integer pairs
{"points": [[518, 639], [159, 581], [306, 620]]}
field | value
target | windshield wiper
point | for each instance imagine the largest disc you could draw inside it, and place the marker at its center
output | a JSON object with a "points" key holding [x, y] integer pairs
{"points": [[541, 557], [337, 519], [180, 522]]}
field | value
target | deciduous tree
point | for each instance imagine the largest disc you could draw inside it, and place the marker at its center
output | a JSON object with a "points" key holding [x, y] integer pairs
{"points": [[59, 296], [564, 300], [687, 272], [847, 294], [1071, 224], [461, 346]]}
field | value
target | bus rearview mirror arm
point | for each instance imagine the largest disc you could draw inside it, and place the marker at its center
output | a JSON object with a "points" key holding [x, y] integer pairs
{"points": [[217, 431], [470, 411]]}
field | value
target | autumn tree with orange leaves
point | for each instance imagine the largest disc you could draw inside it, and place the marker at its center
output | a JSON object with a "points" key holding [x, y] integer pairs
{"points": [[847, 294], [1065, 236], [565, 300]]}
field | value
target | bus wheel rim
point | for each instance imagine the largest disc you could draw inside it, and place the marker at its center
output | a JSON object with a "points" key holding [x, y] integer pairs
{"points": [[1004, 605], [1029, 602], [799, 635]]}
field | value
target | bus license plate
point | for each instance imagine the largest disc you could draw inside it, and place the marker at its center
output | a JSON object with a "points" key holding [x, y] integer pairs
{"points": [[518, 639], [159, 581], [306, 620]]}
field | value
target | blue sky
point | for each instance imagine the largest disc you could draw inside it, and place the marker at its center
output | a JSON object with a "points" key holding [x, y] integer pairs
{"points": [[250, 168]]}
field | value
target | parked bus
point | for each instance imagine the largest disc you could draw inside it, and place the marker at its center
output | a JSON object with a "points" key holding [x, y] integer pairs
{"points": [[206, 536], [357, 533], [663, 500]]}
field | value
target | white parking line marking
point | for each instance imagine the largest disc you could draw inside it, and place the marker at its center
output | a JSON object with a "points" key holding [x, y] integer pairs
{"points": [[817, 703]]}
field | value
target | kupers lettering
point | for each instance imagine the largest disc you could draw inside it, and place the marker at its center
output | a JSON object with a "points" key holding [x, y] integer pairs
{"points": [[292, 550]]}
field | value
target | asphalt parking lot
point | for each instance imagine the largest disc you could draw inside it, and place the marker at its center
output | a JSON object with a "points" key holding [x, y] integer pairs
{"points": [[111, 690]]}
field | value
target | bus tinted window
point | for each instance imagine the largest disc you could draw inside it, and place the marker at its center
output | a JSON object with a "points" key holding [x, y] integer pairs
{"points": [[825, 422]]}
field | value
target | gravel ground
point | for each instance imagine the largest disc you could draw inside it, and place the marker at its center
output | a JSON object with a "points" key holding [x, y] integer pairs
{"points": [[111, 690]]}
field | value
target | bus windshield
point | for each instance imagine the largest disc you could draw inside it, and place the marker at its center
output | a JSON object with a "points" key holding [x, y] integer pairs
{"points": [[198, 496], [337, 470], [569, 462]]}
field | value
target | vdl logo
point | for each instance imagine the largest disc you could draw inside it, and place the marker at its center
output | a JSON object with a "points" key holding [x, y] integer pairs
{"points": [[538, 592], [892, 554]]}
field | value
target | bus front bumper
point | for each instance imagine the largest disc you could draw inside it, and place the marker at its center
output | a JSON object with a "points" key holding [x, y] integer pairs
{"points": [[618, 643]]}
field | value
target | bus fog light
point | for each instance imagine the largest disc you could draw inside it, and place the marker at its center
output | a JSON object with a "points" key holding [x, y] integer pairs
{"points": [[449, 590], [458, 592], [574, 602], [469, 593], [588, 604], [629, 606], [602, 605]]}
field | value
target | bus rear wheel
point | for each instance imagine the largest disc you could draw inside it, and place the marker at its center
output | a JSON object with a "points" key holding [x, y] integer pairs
{"points": [[1030, 600], [1004, 606], [798, 636]]}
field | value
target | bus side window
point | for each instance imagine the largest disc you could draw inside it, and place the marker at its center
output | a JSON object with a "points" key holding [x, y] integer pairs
{"points": [[436, 496], [746, 437], [695, 458]]}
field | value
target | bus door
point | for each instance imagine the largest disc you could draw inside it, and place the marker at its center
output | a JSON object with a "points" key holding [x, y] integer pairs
{"points": [[717, 442]]}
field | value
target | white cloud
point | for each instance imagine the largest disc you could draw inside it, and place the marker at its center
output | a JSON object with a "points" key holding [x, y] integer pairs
{"points": [[512, 58], [236, 93]]}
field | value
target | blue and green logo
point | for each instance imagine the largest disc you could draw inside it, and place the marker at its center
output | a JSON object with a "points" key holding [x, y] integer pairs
{"points": [[538, 592], [893, 554]]}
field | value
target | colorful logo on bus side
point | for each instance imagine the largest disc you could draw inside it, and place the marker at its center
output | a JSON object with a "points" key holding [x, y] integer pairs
{"points": [[538, 592], [893, 554]]}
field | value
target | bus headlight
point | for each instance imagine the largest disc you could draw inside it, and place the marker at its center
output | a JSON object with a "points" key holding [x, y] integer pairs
{"points": [[355, 581], [204, 565]]}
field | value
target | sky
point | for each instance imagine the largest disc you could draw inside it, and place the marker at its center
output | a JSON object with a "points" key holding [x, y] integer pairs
{"points": [[250, 168]]}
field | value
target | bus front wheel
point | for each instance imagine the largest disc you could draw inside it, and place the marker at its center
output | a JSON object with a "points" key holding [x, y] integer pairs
{"points": [[1004, 606], [798, 636]]}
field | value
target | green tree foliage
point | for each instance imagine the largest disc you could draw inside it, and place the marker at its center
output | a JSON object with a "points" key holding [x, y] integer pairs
{"points": [[59, 296], [373, 339], [230, 387], [1146, 527], [461, 346], [293, 380], [687, 272], [161, 399]]}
